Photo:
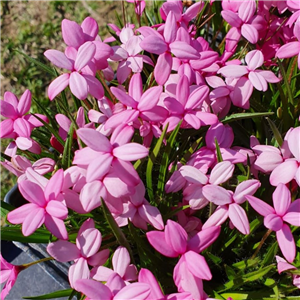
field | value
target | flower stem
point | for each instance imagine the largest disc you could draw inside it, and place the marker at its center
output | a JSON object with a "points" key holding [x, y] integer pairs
{"points": [[261, 243], [37, 262]]}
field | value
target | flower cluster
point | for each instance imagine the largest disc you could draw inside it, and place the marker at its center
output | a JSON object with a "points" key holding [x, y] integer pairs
{"points": [[158, 158]]}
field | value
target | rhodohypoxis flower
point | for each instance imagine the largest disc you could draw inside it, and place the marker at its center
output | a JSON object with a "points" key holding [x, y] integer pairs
{"points": [[283, 265], [139, 6], [45, 207], [114, 289], [255, 78], [174, 242], [187, 106], [84, 252], [19, 124], [290, 168], [229, 204], [293, 48], [19, 164], [128, 55], [82, 79], [121, 265], [284, 211], [164, 45], [75, 35], [245, 20], [102, 154], [9, 273], [143, 105]]}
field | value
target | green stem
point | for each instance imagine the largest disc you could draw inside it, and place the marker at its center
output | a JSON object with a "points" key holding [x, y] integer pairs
{"points": [[37, 262]]}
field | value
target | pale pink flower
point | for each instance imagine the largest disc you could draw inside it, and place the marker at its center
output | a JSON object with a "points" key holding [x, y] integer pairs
{"points": [[102, 154], [121, 265], [245, 20], [284, 211], [82, 79], [85, 252], [229, 204], [290, 168], [249, 76]]}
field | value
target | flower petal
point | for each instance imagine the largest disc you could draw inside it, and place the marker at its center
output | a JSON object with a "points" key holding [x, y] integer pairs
{"points": [[286, 243]]}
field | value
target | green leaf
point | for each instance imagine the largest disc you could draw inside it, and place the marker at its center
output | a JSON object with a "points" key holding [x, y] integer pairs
{"points": [[219, 155], [6, 207], [118, 233], [152, 158], [47, 126], [15, 234], [269, 257], [66, 158], [38, 63], [244, 264], [241, 116], [165, 160], [57, 294], [286, 82], [275, 131]]}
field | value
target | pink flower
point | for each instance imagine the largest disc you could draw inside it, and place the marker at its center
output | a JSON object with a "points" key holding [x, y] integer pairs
{"points": [[82, 79], [244, 19], [293, 48], [229, 204], [45, 207], [284, 211], [75, 35], [84, 252], [9, 273], [290, 168], [139, 6], [187, 106], [113, 290], [18, 124], [121, 265], [164, 45], [255, 78], [143, 105], [104, 154]]}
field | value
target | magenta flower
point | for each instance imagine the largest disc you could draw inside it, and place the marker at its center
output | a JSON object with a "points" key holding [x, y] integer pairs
{"points": [[284, 211], [82, 79], [9, 273], [45, 207], [84, 252]]}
